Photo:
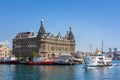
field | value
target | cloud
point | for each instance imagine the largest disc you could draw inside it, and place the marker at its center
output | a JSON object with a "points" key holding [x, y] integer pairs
{"points": [[5, 42]]}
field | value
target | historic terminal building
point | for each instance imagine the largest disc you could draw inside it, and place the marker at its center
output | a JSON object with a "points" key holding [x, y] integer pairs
{"points": [[25, 43]]}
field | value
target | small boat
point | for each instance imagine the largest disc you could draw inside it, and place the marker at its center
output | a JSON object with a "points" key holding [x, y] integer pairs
{"points": [[98, 60], [9, 60], [40, 61], [22, 62], [78, 61], [64, 59]]}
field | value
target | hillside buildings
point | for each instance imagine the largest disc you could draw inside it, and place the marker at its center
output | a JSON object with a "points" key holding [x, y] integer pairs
{"points": [[4, 51], [25, 43]]}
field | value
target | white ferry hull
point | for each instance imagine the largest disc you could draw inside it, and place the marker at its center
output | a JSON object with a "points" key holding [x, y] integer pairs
{"points": [[96, 62]]}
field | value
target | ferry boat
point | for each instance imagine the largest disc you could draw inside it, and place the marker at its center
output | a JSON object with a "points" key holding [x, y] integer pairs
{"points": [[40, 61], [97, 60], [9, 60], [64, 59]]}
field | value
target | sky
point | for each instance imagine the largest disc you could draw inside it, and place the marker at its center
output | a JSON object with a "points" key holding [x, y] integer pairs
{"points": [[92, 20]]}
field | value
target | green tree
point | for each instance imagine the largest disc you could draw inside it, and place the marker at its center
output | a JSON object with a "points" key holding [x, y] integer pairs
{"points": [[34, 54]]}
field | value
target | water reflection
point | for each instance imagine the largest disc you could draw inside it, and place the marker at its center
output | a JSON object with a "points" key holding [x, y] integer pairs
{"points": [[7, 72], [55, 72], [25, 72], [101, 73], [95, 73]]}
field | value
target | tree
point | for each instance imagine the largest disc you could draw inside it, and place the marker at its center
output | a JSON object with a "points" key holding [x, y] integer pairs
{"points": [[34, 54]]}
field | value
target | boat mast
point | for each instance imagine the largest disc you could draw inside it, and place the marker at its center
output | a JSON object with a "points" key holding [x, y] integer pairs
{"points": [[102, 46], [91, 49]]}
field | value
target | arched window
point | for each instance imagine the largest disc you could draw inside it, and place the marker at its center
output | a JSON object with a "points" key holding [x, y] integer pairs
{"points": [[43, 47], [59, 48], [52, 48], [48, 56], [66, 49], [52, 55]]}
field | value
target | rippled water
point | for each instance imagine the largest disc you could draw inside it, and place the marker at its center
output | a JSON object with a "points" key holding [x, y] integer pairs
{"points": [[55, 72]]}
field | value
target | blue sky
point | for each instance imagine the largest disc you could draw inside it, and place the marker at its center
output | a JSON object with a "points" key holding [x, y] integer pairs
{"points": [[92, 20]]}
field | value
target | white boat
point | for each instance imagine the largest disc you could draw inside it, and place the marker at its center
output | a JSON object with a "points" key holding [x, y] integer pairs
{"points": [[38, 59], [99, 60], [64, 59], [9, 60]]}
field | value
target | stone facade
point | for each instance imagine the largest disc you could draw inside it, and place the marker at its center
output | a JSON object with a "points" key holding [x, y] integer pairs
{"points": [[4, 51], [51, 46]]}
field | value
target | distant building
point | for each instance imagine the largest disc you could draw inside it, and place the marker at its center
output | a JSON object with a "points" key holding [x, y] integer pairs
{"points": [[110, 49], [4, 51], [115, 49], [115, 53], [25, 43]]}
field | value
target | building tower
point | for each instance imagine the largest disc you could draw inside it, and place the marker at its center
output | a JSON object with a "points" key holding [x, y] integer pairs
{"points": [[41, 37]]}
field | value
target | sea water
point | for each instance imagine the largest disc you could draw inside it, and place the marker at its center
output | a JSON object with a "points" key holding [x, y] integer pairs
{"points": [[59, 72]]}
